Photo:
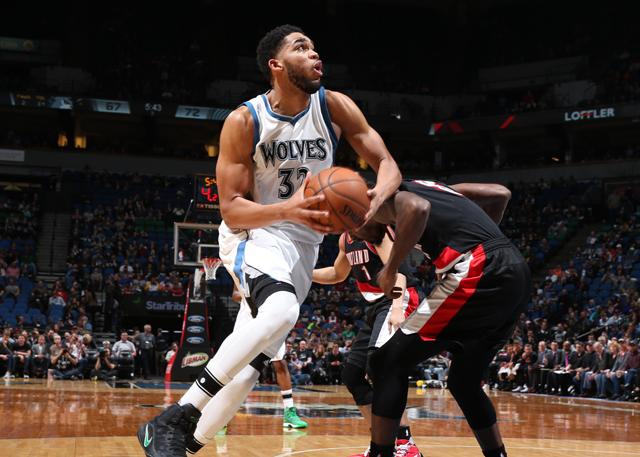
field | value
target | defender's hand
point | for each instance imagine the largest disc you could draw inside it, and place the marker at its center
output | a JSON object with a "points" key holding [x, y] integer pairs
{"points": [[396, 319], [376, 200]]}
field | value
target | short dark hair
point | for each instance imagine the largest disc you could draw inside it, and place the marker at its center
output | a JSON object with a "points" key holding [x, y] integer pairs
{"points": [[270, 44]]}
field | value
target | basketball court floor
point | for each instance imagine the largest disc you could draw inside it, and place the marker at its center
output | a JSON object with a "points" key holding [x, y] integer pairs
{"points": [[84, 418]]}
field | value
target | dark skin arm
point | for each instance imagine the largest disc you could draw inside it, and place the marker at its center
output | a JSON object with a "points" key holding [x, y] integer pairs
{"points": [[492, 198], [409, 213]]}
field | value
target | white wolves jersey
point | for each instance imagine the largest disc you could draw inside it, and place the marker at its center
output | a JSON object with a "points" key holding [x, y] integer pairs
{"points": [[285, 150]]}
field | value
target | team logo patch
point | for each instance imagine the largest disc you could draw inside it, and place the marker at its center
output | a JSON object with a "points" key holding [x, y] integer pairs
{"points": [[196, 319], [195, 340], [194, 360], [195, 329]]}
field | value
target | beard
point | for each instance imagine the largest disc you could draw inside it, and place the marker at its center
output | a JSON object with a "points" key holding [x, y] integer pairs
{"points": [[302, 83]]}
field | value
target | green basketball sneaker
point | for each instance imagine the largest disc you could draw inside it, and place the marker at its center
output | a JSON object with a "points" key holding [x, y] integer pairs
{"points": [[292, 420], [222, 431]]}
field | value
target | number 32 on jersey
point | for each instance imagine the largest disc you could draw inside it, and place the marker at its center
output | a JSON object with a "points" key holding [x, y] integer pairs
{"points": [[290, 180]]}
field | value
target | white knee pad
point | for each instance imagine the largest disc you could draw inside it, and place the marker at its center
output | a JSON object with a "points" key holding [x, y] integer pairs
{"points": [[279, 313], [276, 317]]}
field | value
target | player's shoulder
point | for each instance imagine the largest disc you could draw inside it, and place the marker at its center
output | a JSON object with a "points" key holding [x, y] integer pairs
{"points": [[239, 125], [240, 117], [334, 98]]}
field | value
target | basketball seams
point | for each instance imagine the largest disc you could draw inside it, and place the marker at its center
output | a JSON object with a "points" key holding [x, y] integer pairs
{"points": [[346, 196], [335, 213], [327, 182]]}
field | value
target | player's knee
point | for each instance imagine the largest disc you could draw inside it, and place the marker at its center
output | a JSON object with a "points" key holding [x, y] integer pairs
{"points": [[457, 385], [387, 400], [259, 362], [279, 366], [279, 312], [247, 376], [472, 400], [354, 379], [377, 364]]}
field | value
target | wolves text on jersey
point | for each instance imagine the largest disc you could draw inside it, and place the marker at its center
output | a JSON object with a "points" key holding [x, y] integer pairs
{"points": [[301, 150]]}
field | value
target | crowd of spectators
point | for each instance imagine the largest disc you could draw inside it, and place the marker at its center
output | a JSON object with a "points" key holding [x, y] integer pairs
{"points": [[120, 244], [19, 223], [71, 353], [543, 215], [580, 333], [122, 237]]}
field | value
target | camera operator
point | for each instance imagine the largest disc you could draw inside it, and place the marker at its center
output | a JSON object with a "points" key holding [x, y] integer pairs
{"points": [[63, 361], [90, 351], [104, 368]]}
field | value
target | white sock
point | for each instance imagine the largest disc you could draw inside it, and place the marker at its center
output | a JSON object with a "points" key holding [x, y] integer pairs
{"points": [[276, 317], [287, 398], [221, 409]]}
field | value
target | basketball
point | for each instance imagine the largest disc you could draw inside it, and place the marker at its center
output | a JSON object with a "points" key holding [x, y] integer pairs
{"points": [[346, 197]]}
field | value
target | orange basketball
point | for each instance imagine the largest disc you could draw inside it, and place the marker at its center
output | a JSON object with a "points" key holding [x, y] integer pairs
{"points": [[345, 194]]}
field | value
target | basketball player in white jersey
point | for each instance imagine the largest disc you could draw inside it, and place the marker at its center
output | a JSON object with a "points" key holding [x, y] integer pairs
{"points": [[269, 238]]}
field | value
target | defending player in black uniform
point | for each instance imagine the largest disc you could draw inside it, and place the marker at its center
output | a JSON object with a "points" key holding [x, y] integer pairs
{"points": [[484, 283], [364, 260]]}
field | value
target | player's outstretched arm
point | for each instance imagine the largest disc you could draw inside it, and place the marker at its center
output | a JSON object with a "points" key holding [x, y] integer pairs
{"points": [[234, 173], [399, 288], [492, 198], [369, 145], [338, 272], [410, 214]]}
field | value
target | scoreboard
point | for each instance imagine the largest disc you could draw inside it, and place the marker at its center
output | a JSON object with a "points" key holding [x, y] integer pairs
{"points": [[205, 199], [206, 193], [162, 109]]}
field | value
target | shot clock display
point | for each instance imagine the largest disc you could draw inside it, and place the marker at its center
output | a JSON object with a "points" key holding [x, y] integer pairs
{"points": [[206, 193]]}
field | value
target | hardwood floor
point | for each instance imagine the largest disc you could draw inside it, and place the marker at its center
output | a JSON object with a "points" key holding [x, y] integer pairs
{"points": [[85, 418]]}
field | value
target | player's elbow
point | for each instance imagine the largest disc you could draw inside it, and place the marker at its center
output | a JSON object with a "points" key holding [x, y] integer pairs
{"points": [[502, 193], [229, 214], [341, 276], [420, 209]]}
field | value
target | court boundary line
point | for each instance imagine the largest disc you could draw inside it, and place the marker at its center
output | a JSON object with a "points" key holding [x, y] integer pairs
{"points": [[466, 446]]}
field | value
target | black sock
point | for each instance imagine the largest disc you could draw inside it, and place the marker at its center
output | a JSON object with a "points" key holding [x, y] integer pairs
{"points": [[500, 452], [378, 450], [193, 445], [404, 433]]}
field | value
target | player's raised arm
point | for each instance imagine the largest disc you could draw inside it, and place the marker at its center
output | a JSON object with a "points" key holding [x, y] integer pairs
{"points": [[338, 272], [368, 144], [234, 172], [492, 198]]}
